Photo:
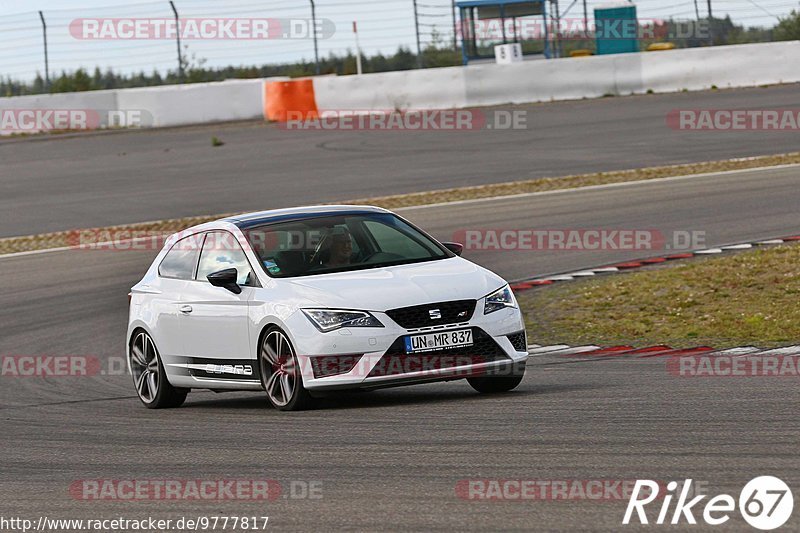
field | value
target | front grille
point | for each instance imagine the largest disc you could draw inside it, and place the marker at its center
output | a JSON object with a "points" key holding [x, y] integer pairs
{"points": [[518, 341], [436, 314], [395, 361]]}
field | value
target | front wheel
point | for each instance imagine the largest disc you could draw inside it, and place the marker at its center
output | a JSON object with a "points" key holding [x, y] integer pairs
{"points": [[494, 385], [280, 373], [149, 377]]}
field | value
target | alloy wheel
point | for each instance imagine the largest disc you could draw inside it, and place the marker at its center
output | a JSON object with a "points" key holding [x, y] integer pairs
{"points": [[144, 367], [279, 368]]}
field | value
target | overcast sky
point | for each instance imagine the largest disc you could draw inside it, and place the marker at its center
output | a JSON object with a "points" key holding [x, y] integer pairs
{"points": [[383, 26]]}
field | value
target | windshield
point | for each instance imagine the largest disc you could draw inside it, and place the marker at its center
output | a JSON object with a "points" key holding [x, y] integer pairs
{"points": [[340, 243]]}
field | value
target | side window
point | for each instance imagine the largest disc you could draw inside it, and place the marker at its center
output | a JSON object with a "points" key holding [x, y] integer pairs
{"points": [[220, 252], [180, 261]]}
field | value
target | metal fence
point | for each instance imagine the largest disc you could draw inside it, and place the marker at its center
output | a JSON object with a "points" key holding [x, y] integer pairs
{"points": [[45, 42]]}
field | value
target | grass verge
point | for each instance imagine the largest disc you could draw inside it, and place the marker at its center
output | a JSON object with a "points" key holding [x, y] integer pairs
{"points": [[748, 298], [63, 238]]}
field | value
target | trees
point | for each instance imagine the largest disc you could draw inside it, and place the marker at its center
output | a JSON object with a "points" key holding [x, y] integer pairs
{"points": [[788, 29]]}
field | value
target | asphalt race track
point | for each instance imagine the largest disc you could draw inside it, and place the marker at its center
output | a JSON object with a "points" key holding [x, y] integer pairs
{"points": [[392, 459], [106, 179]]}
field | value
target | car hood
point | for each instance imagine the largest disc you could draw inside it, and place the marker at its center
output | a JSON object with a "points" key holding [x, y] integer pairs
{"points": [[381, 289]]}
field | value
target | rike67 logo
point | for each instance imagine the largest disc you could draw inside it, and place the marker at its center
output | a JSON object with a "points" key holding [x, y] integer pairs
{"points": [[765, 503]]}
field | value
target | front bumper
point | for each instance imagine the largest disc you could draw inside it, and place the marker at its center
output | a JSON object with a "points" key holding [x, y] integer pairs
{"points": [[379, 362]]}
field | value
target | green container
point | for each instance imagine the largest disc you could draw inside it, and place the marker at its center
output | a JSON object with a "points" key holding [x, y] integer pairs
{"points": [[617, 29]]}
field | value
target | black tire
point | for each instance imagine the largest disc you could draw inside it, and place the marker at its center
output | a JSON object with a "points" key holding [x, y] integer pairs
{"points": [[165, 396], [495, 385], [280, 373]]}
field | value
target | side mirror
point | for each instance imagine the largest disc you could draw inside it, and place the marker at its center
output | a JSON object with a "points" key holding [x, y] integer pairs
{"points": [[454, 247], [226, 279]]}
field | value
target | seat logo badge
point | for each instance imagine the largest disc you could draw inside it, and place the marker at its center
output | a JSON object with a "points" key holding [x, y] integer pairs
{"points": [[435, 314]]}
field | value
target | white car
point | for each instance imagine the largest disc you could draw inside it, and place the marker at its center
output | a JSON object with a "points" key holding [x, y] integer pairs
{"points": [[301, 301]]}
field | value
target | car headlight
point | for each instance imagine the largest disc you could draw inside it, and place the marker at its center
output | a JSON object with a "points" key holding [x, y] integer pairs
{"points": [[500, 299], [332, 319]]}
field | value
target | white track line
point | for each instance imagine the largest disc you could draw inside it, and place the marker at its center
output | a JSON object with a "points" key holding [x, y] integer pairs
{"points": [[574, 350], [740, 352], [789, 350], [545, 349], [604, 186], [710, 251], [37, 252], [744, 351], [561, 349], [95, 246]]}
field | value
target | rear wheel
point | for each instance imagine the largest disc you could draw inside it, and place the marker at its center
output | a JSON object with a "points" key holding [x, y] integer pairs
{"points": [[149, 377], [280, 373]]}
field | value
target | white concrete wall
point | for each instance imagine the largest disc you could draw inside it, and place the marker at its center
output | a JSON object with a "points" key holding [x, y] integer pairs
{"points": [[565, 79], [743, 65], [101, 102], [453, 87], [441, 88], [176, 105], [557, 79], [168, 105]]}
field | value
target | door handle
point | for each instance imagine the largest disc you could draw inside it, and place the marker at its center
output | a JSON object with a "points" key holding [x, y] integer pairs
{"points": [[186, 309]]}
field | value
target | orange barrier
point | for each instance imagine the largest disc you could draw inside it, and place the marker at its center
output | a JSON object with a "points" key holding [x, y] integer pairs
{"points": [[660, 47], [284, 97]]}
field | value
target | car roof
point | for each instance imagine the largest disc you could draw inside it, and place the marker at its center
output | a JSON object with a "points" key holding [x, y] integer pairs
{"points": [[252, 220]]}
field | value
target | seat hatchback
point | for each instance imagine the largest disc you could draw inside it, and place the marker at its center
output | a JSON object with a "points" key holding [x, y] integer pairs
{"points": [[297, 302]]}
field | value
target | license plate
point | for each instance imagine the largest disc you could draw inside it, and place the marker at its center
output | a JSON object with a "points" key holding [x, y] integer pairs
{"points": [[445, 340]]}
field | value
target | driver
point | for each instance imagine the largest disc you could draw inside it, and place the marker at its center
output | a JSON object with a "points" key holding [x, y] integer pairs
{"points": [[341, 248]]}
